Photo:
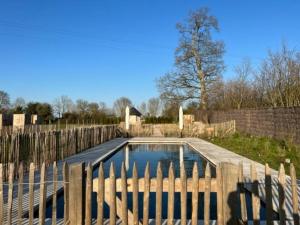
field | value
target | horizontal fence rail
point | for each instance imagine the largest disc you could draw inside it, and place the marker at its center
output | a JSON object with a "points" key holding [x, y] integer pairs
{"points": [[78, 185], [50, 146]]}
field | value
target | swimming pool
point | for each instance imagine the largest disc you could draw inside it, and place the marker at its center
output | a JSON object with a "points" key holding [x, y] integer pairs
{"points": [[154, 153]]}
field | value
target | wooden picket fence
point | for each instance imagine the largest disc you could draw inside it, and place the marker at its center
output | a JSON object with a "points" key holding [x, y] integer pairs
{"points": [[50, 146], [78, 185], [32, 128]]}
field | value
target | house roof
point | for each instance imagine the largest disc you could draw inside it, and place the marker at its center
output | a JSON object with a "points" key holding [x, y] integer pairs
{"points": [[133, 111]]}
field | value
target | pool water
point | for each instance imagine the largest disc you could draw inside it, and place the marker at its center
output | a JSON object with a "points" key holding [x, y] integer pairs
{"points": [[154, 153]]}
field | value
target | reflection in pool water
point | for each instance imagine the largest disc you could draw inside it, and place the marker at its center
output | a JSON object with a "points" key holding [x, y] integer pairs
{"points": [[154, 153]]}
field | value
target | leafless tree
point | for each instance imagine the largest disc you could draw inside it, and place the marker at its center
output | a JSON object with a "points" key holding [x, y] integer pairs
{"points": [[82, 106], [279, 78], [102, 107], [238, 90], [4, 100], [93, 108], [62, 105], [199, 60], [143, 108], [120, 106], [153, 106], [19, 102]]}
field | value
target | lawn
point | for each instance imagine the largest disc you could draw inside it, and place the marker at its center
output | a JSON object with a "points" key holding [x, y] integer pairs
{"points": [[262, 149]]}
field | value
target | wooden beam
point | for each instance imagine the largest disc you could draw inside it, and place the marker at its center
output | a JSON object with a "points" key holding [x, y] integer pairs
{"points": [[153, 185]]}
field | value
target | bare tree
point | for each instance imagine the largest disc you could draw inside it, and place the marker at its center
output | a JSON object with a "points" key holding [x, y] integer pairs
{"points": [[199, 60], [62, 105], [153, 106], [93, 108], [19, 102], [82, 106], [120, 106], [238, 90], [143, 108], [279, 78], [102, 107], [4, 100]]}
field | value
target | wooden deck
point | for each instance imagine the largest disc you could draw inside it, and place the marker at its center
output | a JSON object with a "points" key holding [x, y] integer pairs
{"points": [[211, 152]]}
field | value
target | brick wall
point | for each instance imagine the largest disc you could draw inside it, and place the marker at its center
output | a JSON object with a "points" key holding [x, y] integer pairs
{"points": [[280, 123]]}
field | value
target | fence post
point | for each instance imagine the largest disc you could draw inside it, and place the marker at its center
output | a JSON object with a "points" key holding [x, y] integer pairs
{"points": [[230, 181], [76, 204]]}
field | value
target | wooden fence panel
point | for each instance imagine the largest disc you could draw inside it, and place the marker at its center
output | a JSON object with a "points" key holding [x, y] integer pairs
{"points": [[79, 184]]}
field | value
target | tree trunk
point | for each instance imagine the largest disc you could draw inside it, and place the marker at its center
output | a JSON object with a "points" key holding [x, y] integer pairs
{"points": [[203, 97]]}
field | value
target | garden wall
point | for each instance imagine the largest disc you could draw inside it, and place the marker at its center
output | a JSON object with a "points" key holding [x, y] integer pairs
{"points": [[279, 123]]}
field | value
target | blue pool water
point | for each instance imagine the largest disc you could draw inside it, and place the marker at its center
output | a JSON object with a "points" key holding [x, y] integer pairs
{"points": [[154, 153]]}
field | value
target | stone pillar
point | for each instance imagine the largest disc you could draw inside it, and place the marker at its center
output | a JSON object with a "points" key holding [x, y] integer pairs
{"points": [[180, 118], [34, 119], [127, 118], [181, 159], [127, 158], [19, 121]]}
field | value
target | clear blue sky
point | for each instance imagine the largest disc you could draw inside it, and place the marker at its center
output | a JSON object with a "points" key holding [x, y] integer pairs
{"points": [[100, 50]]}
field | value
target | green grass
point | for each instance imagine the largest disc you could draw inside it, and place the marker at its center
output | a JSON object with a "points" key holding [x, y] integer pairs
{"points": [[261, 149]]}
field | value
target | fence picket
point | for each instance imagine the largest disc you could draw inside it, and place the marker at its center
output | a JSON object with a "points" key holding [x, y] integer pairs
{"points": [[195, 194], [88, 195], [31, 193], [159, 186], [66, 180], [112, 196], [268, 190], [207, 195], [100, 195], [242, 194], [10, 193], [54, 196], [146, 195], [171, 190], [294, 194], [183, 194], [220, 218], [124, 195], [43, 190], [255, 196], [135, 192], [281, 198], [20, 194], [76, 213]]}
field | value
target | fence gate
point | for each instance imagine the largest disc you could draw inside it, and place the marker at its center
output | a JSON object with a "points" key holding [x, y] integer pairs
{"points": [[228, 185]]}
